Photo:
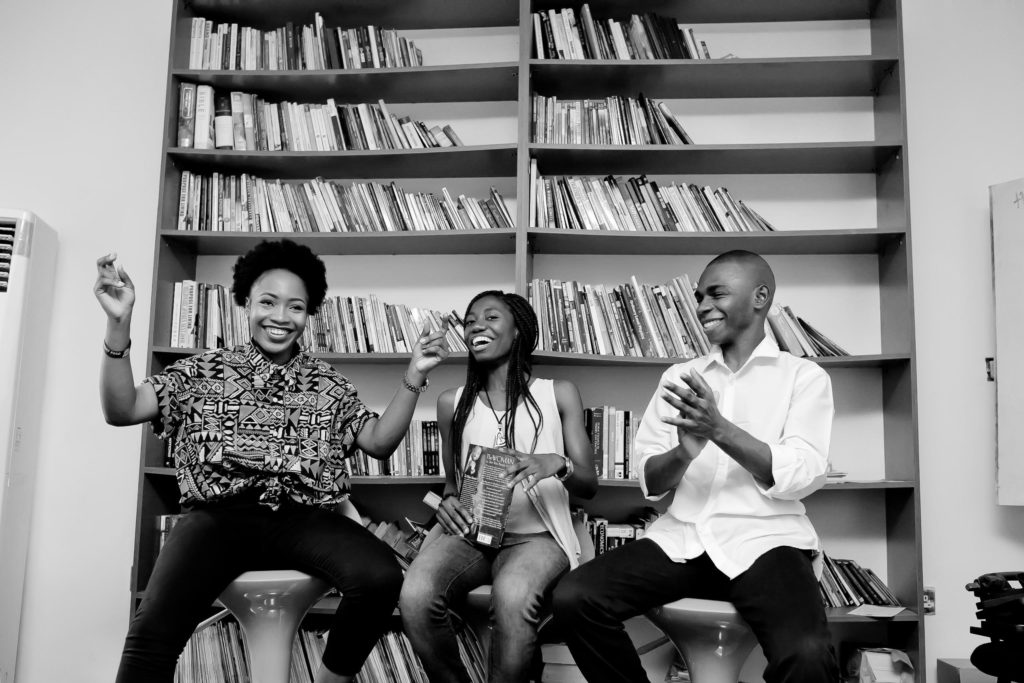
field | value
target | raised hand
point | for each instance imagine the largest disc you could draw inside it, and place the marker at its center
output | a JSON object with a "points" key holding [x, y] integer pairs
{"points": [[114, 289], [430, 350]]}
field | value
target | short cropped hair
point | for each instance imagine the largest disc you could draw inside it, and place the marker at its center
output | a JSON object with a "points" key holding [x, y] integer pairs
{"points": [[284, 255]]}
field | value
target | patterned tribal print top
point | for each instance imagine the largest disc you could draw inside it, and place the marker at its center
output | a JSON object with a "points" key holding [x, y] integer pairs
{"points": [[243, 424]]}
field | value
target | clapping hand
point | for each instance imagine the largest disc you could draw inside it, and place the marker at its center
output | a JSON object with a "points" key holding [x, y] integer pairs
{"points": [[114, 289], [698, 419]]}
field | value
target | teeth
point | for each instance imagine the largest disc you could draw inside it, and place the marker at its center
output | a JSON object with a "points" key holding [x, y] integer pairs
{"points": [[477, 342], [708, 324], [277, 332]]}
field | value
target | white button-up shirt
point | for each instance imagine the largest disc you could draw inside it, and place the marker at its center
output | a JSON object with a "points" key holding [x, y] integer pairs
{"points": [[719, 507]]}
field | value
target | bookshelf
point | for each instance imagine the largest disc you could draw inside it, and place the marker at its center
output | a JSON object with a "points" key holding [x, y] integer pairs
{"points": [[833, 177]]}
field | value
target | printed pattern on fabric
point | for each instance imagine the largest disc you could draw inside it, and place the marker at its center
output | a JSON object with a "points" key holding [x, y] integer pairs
{"points": [[242, 423]]}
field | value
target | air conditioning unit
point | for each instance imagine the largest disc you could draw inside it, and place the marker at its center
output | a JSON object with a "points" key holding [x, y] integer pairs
{"points": [[28, 250]]}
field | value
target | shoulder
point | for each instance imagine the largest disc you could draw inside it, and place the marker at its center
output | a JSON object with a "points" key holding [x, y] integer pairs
{"points": [[446, 404], [674, 372], [567, 394], [804, 372]]}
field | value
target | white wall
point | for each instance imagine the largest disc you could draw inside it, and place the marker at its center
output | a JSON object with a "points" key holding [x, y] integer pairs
{"points": [[965, 110], [81, 103]]}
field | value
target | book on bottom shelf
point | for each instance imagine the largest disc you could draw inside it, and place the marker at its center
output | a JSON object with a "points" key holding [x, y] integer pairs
{"points": [[484, 492]]}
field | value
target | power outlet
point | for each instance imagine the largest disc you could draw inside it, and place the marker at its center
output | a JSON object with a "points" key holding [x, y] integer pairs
{"points": [[928, 603]]}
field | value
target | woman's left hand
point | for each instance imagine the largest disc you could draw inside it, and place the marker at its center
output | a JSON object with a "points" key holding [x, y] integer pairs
{"points": [[532, 467], [429, 351]]}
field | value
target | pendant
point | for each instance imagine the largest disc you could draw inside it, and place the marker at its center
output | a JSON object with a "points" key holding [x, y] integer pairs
{"points": [[499, 438]]}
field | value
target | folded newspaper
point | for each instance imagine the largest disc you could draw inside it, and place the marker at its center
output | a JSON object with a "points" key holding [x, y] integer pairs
{"points": [[485, 493]]}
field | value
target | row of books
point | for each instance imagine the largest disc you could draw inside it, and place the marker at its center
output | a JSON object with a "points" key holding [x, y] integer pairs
{"points": [[245, 203], [230, 47], [844, 583], [636, 204], [418, 455], [632, 319], [561, 34], [614, 120], [217, 653], [612, 432], [243, 121], [205, 316], [607, 535], [797, 336]]}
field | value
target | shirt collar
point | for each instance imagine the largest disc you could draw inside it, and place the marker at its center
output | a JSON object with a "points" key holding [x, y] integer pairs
{"points": [[266, 368], [766, 349]]}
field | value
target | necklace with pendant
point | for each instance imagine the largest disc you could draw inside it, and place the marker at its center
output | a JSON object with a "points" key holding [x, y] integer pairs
{"points": [[499, 436]]}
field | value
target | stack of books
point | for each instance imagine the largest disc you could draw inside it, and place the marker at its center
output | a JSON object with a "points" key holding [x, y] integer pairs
{"points": [[355, 324], [607, 535], [798, 337], [418, 455], [561, 34], [243, 121], [205, 316], [633, 319], [613, 120], [221, 202], [637, 205], [230, 47], [844, 583], [612, 431]]}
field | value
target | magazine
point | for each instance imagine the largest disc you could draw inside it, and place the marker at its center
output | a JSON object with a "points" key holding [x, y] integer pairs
{"points": [[485, 493]]}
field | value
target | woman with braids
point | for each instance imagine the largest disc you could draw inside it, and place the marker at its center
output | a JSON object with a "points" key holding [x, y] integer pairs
{"points": [[261, 432], [540, 420]]}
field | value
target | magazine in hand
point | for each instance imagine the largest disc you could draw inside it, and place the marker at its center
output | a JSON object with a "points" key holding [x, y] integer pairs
{"points": [[485, 493]]}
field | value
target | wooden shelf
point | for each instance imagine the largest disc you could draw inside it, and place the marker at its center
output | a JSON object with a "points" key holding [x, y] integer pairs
{"points": [[559, 241], [857, 76], [408, 14], [459, 83], [445, 162], [724, 11], [490, 241], [825, 157], [830, 485], [572, 359], [558, 358], [397, 480], [841, 615]]}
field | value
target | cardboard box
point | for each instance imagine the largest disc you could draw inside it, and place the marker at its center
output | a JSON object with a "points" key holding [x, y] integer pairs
{"points": [[960, 671]]}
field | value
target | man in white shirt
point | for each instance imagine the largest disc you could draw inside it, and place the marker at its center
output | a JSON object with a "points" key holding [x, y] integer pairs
{"points": [[740, 436]]}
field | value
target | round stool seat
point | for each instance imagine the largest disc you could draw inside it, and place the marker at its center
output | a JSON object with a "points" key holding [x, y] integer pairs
{"points": [[269, 606], [709, 634]]}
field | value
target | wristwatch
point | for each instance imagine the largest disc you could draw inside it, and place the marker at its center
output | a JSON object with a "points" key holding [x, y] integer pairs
{"points": [[566, 470]]}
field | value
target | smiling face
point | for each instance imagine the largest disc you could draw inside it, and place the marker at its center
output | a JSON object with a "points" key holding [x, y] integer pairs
{"points": [[733, 301], [490, 329], [277, 313]]}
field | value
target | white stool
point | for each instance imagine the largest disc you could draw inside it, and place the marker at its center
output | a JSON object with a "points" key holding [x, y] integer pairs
{"points": [[269, 606], [709, 634]]}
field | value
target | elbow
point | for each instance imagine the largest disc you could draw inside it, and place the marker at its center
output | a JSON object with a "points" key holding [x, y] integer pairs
{"points": [[115, 418], [587, 489]]}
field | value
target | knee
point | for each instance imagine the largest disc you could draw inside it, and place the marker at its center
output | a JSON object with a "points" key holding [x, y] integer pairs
{"points": [[381, 580], [515, 602], [422, 599], [568, 598]]}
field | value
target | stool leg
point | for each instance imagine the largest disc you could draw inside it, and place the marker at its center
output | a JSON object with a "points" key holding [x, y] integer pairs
{"points": [[714, 652]]}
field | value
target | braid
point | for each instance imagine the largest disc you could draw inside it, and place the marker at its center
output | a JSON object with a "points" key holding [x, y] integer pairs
{"points": [[520, 369]]}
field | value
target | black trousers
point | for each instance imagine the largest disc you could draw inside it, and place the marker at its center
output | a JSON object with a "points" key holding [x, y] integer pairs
{"points": [[211, 546], [778, 597]]}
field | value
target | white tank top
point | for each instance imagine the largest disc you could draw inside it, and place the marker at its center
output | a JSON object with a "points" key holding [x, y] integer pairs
{"points": [[483, 427]]}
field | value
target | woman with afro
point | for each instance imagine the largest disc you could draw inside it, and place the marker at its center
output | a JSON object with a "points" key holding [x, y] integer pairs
{"points": [[260, 433]]}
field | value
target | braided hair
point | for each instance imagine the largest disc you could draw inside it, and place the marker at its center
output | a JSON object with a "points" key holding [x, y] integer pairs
{"points": [[517, 384]]}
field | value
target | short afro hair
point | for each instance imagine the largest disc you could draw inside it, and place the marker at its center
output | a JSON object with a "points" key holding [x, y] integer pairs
{"points": [[284, 255]]}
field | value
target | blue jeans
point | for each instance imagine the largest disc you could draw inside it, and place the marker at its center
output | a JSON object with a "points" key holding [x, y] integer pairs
{"points": [[210, 546], [522, 573]]}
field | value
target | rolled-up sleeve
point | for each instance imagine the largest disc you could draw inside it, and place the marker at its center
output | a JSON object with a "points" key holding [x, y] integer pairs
{"points": [[173, 388], [654, 436], [349, 419], [800, 458]]}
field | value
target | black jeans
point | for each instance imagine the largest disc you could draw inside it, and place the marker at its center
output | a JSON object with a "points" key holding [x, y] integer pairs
{"points": [[778, 597], [211, 546]]}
